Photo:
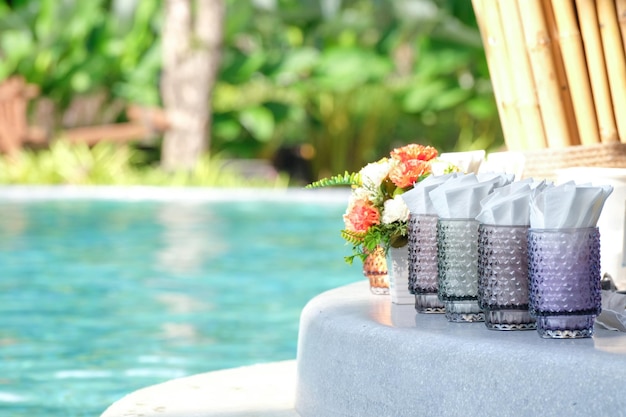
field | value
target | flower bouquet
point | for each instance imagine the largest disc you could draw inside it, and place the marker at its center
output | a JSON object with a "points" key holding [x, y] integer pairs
{"points": [[376, 216]]}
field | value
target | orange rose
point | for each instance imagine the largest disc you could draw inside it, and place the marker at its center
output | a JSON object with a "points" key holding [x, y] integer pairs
{"points": [[405, 174], [360, 216], [414, 151]]}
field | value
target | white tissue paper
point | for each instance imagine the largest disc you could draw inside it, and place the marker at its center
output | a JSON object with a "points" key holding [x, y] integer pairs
{"points": [[417, 199], [510, 162], [505, 207], [500, 178], [509, 189], [460, 197], [567, 206], [509, 205], [467, 162], [613, 316]]}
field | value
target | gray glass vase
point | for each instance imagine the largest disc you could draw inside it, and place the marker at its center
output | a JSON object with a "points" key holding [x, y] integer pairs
{"points": [[423, 270], [503, 277], [457, 263]]}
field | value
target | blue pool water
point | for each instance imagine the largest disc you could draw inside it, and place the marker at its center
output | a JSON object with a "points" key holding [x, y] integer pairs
{"points": [[99, 298]]}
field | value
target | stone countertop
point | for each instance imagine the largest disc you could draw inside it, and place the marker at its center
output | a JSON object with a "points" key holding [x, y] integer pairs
{"points": [[361, 355], [358, 354]]}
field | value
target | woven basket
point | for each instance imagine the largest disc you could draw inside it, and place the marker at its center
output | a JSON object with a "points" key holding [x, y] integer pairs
{"points": [[375, 269], [544, 163]]}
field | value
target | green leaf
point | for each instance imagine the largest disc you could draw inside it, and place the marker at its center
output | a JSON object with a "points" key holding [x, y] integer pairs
{"points": [[341, 179], [481, 107], [345, 68], [227, 129], [419, 98], [298, 61], [449, 99], [259, 121]]}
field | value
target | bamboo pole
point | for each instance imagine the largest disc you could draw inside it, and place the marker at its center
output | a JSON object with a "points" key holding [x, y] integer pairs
{"points": [[503, 66], [597, 72], [557, 55], [573, 56], [537, 36], [524, 85], [620, 5], [615, 61], [497, 61]]}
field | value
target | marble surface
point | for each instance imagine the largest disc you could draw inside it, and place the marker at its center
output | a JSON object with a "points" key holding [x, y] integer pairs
{"points": [[360, 355]]}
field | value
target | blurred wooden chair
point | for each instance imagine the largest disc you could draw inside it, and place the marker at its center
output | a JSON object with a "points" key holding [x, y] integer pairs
{"points": [[15, 94], [144, 123]]}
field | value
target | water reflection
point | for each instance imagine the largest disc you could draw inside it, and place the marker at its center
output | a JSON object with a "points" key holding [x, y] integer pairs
{"points": [[188, 238], [380, 311], [182, 303], [180, 332], [13, 222]]}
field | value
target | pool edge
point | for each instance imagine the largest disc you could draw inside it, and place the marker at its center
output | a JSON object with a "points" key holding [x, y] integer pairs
{"points": [[154, 193], [261, 390]]}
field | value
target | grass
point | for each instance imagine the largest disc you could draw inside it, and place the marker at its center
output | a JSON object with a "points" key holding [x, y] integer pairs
{"points": [[114, 164]]}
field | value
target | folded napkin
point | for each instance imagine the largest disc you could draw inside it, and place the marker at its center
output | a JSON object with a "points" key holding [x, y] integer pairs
{"points": [[613, 316], [417, 200], [567, 205], [467, 162], [500, 178], [459, 197], [511, 188], [507, 206], [512, 162]]}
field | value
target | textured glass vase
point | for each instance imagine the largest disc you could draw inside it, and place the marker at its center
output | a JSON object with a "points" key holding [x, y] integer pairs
{"points": [[564, 269], [503, 277], [375, 269], [457, 262], [398, 270], [423, 276]]}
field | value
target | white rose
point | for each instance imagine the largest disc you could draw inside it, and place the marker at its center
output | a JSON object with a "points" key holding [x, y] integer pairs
{"points": [[395, 210], [361, 193], [439, 167], [373, 174]]}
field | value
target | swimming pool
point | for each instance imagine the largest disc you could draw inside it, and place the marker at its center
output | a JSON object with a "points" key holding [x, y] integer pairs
{"points": [[102, 296]]}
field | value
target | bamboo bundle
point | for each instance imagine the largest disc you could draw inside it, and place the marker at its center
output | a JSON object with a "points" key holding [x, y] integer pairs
{"points": [[501, 76], [538, 41], [557, 55], [527, 104], [559, 75], [597, 70], [620, 6], [615, 61], [576, 70]]}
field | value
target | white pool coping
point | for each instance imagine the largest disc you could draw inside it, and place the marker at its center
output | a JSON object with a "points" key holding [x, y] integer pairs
{"points": [[264, 390], [186, 194]]}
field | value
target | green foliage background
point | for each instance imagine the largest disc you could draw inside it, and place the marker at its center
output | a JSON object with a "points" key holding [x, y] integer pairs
{"points": [[344, 81]]}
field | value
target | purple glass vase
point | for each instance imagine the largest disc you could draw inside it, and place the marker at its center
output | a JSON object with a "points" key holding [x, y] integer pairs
{"points": [[422, 234], [564, 269], [503, 277], [457, 263]]}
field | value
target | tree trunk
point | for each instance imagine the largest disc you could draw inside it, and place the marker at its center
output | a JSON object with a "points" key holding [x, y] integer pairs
{"points": [[192, 37]]}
